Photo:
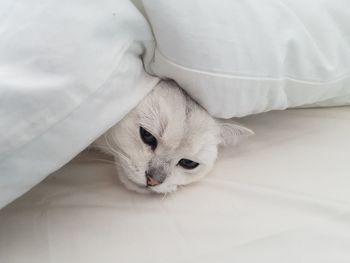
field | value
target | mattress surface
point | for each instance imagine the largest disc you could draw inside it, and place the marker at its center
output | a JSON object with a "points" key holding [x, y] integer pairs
{"points": [[281, 196]]}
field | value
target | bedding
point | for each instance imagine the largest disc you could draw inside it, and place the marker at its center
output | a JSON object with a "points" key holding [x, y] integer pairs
{"points": [[282, 196], [243, 57], [68, 72], [71, 70]]}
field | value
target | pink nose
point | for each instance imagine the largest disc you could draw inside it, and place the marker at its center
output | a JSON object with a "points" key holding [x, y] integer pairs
{"points": [[151, 181]]}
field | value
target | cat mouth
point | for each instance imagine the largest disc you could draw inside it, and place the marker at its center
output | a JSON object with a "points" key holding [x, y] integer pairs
{"points": [[134, 186], [143, 188]]}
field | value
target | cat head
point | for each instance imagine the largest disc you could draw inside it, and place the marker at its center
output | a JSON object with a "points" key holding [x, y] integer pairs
{"points": [[167, 141]]}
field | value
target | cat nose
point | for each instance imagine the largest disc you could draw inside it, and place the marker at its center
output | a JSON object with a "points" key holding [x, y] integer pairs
{"points": [[152, 179]]}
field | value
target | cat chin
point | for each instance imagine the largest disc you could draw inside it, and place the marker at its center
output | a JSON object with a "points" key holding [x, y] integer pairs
{"points": [[142, 189], [163, 189], [130, 185]]}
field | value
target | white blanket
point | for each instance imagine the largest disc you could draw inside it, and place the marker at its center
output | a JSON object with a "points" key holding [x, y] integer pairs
{"points": [[69, 70]]}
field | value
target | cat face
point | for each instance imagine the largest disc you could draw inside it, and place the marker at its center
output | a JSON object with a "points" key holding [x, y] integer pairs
{"points": [[167, 141]]}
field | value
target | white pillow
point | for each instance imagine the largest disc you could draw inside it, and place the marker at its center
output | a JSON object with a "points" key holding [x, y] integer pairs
{"points": [[243, 57], [69, 70]]}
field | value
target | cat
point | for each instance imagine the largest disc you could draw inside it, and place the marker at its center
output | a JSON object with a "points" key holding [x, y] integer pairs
{"points": [[167, 141]]}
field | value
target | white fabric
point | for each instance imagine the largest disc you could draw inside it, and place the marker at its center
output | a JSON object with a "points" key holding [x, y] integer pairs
{"points": [[281, 196], [243, 57], [69, 70]]}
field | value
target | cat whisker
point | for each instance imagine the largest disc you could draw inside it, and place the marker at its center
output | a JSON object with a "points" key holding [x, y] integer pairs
{"points": [[164, 196], [117, 149], [101, 160], [110, 147], [114, 151], [110, 162], [118, 152]]}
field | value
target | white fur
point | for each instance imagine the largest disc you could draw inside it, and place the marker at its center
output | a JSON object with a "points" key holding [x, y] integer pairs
{"points": [[183, 130]]}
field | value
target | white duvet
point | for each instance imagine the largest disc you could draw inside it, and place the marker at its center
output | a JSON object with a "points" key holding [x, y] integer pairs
{"points": [[69, 70]]}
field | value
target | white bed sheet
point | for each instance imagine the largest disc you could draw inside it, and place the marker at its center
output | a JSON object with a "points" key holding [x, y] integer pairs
{"points": [[282, 196]]}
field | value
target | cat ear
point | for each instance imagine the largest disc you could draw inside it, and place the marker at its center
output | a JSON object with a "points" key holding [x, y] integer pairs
{"points": [[231, 132]]}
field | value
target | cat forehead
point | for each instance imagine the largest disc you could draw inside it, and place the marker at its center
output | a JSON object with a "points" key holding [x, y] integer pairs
{"points": [[171, 115]]}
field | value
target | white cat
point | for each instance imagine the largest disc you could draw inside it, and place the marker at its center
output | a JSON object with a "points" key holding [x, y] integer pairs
{"points": [[168, 140]]}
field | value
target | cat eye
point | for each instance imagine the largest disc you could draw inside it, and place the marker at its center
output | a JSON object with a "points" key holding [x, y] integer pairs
{"points": [[148, 138], [188, 164]]}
